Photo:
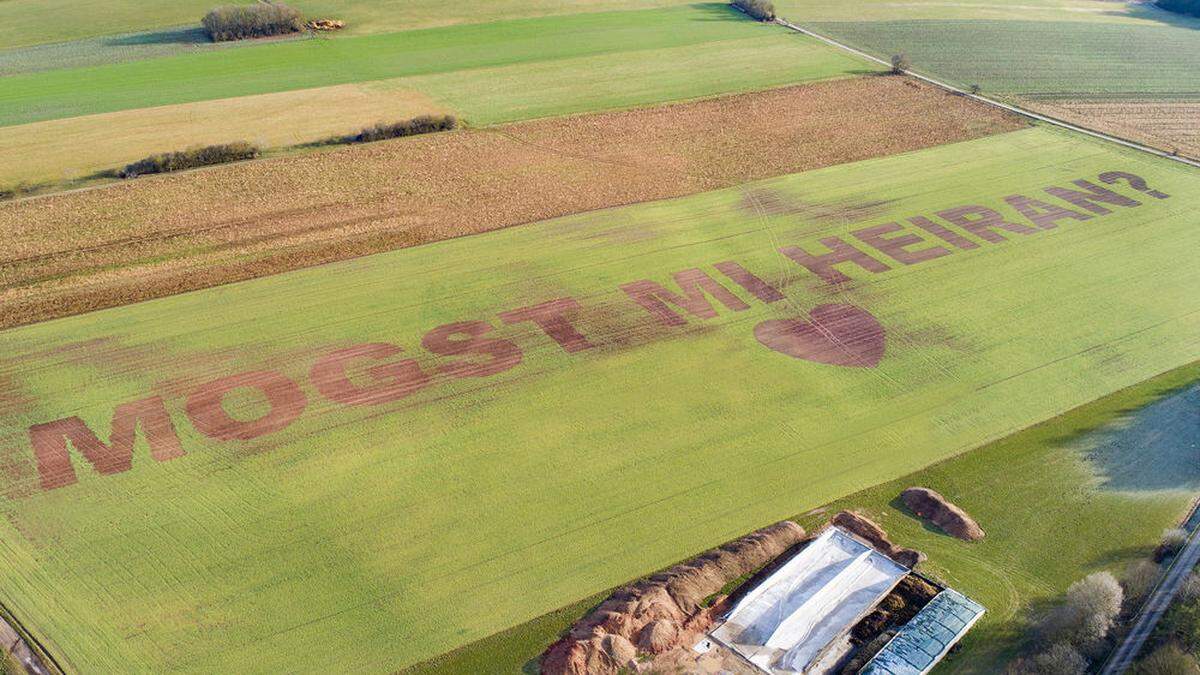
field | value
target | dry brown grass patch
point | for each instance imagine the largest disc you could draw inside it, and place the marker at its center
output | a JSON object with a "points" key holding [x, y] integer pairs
{"points": [[1171, 126]]}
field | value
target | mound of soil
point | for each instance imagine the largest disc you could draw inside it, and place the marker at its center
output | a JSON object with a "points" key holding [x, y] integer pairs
{"points": [[599, 653], [657, 612], [658, 636], [875, 535], [935, 508]]}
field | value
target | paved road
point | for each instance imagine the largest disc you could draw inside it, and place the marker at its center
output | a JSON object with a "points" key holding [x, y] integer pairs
{"points": [[1160, 598]]}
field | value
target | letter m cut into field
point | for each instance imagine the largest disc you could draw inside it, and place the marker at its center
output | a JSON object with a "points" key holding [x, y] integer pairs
{"points": [[695, 285], [52, 442]]}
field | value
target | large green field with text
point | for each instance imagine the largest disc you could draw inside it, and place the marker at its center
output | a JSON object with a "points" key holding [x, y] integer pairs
{"points": [[380, 460]]}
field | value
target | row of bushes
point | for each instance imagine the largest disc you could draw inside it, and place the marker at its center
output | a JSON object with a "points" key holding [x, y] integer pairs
{"points": [[239, 22], [191, 158], [1077, 630], [233, 152], [424, 124], [762, 10], [1191, 7], [1072, 637]]}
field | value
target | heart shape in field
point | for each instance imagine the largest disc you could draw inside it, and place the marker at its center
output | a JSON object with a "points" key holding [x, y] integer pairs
{"points": [[836, 334]]}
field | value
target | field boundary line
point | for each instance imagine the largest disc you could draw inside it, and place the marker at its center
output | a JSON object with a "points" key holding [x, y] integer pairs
{"points": [[989, 101]]}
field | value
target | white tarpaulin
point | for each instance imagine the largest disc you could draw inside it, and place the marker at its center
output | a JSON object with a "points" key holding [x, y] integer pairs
{"points": [[784, 624]]}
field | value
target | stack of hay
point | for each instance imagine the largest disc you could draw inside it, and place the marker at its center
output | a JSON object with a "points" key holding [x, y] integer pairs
{"points": [[325, 24]]}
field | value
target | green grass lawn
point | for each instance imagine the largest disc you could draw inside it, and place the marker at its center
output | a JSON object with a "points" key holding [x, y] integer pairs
{"points": [[1060, 58], [387, 534], [1026, 489], [449, 58]]}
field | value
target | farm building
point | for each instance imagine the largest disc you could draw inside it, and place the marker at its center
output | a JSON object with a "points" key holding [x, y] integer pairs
{"points": [[839, 602], [927, 637]]}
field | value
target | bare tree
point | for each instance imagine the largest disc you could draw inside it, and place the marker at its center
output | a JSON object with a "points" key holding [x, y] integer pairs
{"points": [[1168, 659], [1090, 609], [1058, 659], [1139, 579]]}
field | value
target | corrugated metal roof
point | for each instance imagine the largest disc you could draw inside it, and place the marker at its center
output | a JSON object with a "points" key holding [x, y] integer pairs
{"points": [[925, 639]]}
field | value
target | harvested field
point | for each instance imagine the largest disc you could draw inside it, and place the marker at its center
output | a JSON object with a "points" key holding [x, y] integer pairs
{"points": [[79, 251], [1169, 125], [80, 146]]}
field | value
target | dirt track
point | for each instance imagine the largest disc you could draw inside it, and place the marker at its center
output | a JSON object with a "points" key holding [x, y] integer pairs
{"points": [[76, 252]]}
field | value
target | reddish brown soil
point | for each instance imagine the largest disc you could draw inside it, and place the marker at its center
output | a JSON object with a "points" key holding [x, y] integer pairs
{"points": [[155, 236]]}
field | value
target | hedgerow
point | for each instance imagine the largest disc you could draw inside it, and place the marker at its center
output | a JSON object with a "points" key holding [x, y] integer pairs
{"points": [[239, 22], [191, 158], [763, 10], [423, 124]]}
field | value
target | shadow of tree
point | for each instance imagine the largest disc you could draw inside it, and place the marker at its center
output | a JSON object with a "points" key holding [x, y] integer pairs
{"points": [[177, 36], [1154, 448], [1150, 11]]}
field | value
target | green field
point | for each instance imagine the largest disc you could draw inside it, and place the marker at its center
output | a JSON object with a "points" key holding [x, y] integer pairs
{"points": [[1026, 489], [1060, 58], [1133, 63], [385, 534], [33, 22], [536, 45], [1085, 11], [485, 74]]}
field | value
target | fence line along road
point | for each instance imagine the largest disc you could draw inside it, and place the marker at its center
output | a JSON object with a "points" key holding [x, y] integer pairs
{"points": [[1154, 607], [989, 101]]}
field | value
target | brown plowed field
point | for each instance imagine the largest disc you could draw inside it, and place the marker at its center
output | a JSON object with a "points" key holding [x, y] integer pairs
{"points": [[1172, 126], [155, 236]]}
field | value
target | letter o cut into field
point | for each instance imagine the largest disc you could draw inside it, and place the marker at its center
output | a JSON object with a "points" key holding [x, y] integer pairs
{"points": [[286, 401]]}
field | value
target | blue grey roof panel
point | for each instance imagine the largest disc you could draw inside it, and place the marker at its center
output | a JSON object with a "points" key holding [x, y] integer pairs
{"points": [[925, 639]]}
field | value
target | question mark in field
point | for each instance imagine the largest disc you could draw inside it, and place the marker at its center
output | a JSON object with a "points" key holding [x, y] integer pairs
{"points": [[1136, 182]]}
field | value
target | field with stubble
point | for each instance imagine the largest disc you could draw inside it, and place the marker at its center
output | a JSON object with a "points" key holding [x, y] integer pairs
{"points": [[80, 251], [1169, 125]]}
